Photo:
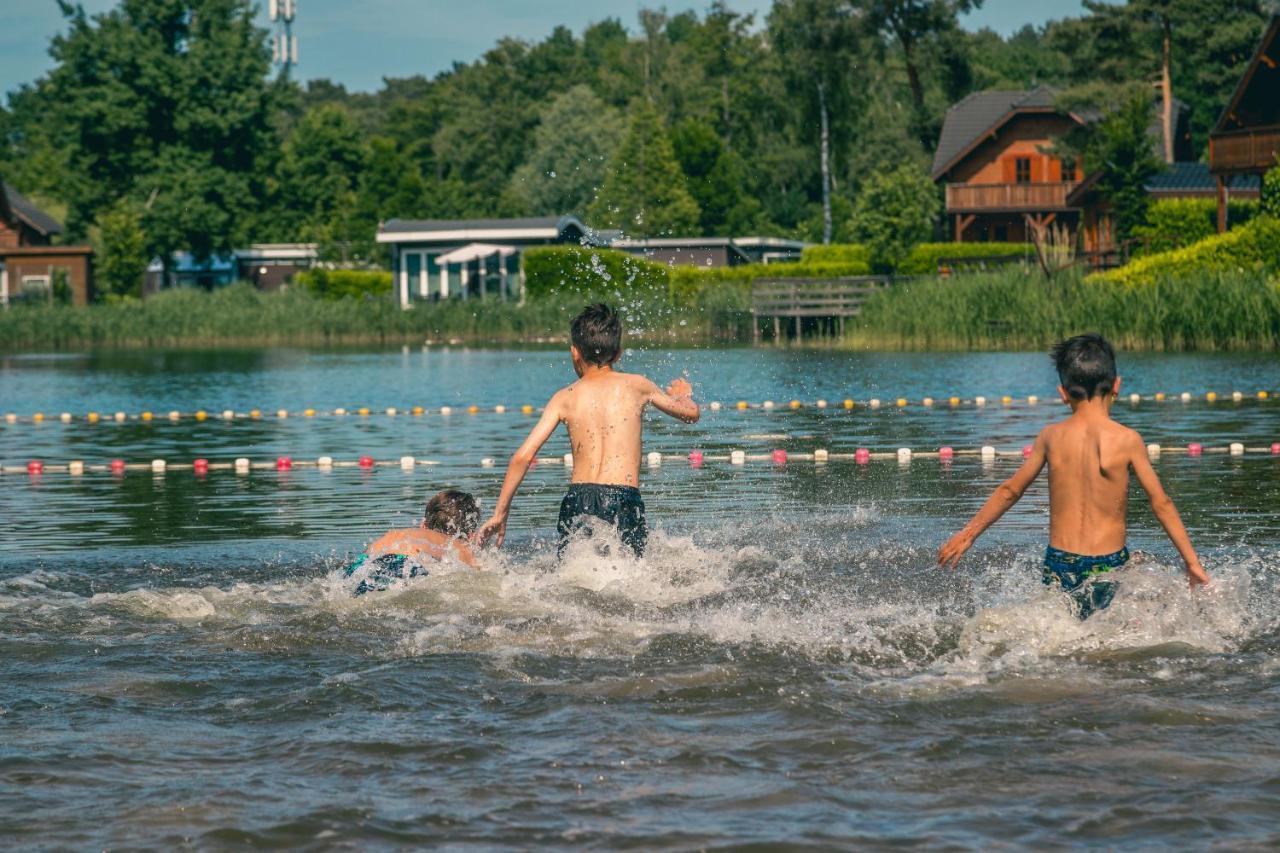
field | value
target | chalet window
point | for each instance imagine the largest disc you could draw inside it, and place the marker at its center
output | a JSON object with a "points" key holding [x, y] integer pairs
{"points": [[1022, 170]]}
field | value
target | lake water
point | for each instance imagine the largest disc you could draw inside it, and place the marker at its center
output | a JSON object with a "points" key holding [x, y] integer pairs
{"points": [[182, 663]]}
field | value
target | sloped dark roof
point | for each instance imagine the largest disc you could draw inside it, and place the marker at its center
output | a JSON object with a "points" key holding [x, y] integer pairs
{"points": [[977, 115], [1195, 177], [26, 211], [1254, 101]]}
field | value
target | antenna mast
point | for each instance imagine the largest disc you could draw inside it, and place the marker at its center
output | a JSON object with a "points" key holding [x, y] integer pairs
{"points": [[284, 44]]}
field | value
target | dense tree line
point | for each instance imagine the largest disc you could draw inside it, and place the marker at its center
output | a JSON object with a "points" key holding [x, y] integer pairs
{"points": [[162, 122]]}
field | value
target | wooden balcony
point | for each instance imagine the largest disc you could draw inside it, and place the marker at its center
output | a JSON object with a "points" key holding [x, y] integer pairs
{"points": [[1012, 198], [1252, 150]]}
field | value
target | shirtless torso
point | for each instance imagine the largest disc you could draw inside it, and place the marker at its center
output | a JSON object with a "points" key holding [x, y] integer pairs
{"points": [[420, 544]]}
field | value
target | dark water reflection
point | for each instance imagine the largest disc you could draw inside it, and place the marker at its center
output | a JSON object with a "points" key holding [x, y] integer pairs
{"points": [[181, 664]]}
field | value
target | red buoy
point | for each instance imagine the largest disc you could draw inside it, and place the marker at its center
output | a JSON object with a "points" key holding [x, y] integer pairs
{"points": [[366, 461], [117, 466], [945, 453], [862, 456], [35, 466], [1194, 449], [695, 458], [780, 457], [1275, 448], [200, 466], [1026, 451], [284, 463]]}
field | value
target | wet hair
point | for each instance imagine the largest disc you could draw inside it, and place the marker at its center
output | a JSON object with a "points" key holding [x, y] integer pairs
{"points": [[453, 513], [597, 333], [1086, 366]]}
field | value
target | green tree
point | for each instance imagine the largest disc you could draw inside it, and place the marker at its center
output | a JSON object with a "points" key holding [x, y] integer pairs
{"points": [[895, 211], [577, 135], [1271, 190], [322, 161], [143, 95], [123, 259], [644, 192]]}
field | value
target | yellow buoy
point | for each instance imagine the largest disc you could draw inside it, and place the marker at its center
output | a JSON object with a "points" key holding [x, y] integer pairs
{"points": [[308, 413], [93, 417], [795, 404], [1211, 396], [1262, 395], [1006, 399], [38, 417], [471, 410], [742, 404], [200, 415], [1160, 395], [255, 414], [526, 409], [145, 417], [848, 404], [417, 410], [955, 401], [902, 401], [362, 411]]}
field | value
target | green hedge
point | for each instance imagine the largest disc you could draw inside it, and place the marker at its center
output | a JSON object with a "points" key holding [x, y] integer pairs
{"points": [[1013, 309], [837, 253], [1254, 247], [341, 284], [923, 259], [1175, 222]]}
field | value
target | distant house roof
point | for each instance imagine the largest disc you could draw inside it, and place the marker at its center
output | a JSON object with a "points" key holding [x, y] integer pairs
{"points": [[1185, 178], [28, 213], [278, 252], [477, 230], [972, 119], [1254, 102]]}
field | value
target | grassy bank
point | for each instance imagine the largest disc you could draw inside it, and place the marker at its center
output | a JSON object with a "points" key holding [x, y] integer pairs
{"points": [[1012, 310], [242, 316]]}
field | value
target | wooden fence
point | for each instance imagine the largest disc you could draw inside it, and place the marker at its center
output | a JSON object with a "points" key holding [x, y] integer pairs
{"points": [[831, 299]]}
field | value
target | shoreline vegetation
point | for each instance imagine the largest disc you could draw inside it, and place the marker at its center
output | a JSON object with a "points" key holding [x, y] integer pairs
{"points": [[1011, 309]]}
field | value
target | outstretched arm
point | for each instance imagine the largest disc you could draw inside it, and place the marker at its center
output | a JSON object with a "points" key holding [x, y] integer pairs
{"points": [[676, 401], [1006, 495], [1166, 512], [496, 526]]}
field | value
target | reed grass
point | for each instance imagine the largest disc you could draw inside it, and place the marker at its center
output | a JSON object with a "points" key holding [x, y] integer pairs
{"points": [[1015, 311]]}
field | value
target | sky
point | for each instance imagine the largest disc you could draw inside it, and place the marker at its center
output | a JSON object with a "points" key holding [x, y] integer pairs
{"points": [[358, 42]]}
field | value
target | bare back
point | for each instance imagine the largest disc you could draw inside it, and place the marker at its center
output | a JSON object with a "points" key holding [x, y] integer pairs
{"points": [[604, 415], [1088, 459]]}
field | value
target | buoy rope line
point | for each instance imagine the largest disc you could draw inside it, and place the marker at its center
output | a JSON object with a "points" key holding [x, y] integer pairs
{"points": [[715, 406], [654, 459]]}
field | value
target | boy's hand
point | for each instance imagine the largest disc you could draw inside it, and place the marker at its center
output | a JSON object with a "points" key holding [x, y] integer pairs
{"points": [[680, 388], [949, 554], [495, 527], [1196, 575]]}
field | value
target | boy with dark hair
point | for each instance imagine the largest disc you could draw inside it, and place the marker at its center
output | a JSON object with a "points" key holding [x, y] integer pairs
{"points": [[604, 412], [1089, 458], [400, 554]]}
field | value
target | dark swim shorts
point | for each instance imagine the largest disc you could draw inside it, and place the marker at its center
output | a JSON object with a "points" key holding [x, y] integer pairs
{"points": [[1076, 575], [381, 572], [617, 506]]}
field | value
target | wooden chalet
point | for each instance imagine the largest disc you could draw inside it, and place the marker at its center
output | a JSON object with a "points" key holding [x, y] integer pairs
{"points": [[1246, 139], [999, 180], [31, 267]]}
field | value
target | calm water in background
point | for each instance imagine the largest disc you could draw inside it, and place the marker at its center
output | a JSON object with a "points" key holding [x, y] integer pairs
{"points": [[180, 660]]}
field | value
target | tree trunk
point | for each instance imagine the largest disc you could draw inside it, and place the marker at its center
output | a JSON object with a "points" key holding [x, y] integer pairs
{"points": [[1166, 91], [917, 88], [826, 165]]}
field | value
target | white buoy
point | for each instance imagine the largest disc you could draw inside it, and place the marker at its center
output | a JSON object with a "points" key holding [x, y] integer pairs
{"points": [[173, 416], [979, 401], [904, 454], [486, 462], [874, 403], [407, 463], [324, 462], [391, 411], [499, 409], [228, 415], [1185, 397], [820, 455], [65, 417], [715, 405], [655, 459], [1237, 449], [1135, 399], [737, 457], [242, 465], [1153, 450], [928, 401], [568, 460], [339, 412], [445, 410], [821, 404], [988, 452], [768, 404], [1237, 396], [77, 467], [11, 418], [1033, 400], [282, 414], [158, 466], [121, 417]]}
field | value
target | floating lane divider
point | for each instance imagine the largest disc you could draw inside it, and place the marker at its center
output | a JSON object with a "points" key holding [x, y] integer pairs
{"points": [[953, 402], [654, 459]]}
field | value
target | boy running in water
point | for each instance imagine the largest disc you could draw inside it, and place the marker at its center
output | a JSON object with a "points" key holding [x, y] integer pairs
{"points": [[604, 413], [1089, 458]]}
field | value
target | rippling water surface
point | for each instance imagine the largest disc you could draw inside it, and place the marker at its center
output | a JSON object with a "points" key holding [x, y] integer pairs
{"points": [[181, 661]]}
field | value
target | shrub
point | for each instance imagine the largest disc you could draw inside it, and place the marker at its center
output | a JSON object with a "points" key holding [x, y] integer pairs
{"points": [[1271, 190], [893, 213], [1251, 247], [564, 270], [341, 283], [837, 253], [926, 257], [1174, 222]]}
